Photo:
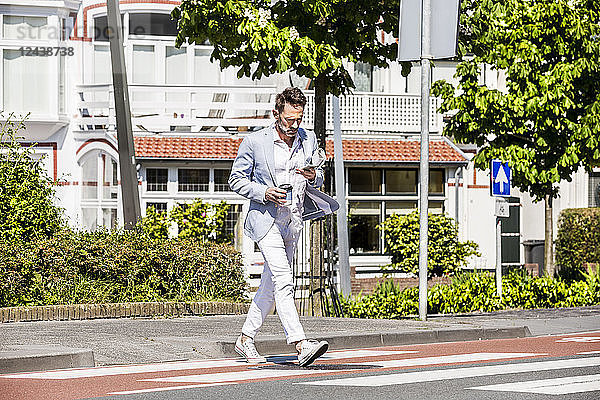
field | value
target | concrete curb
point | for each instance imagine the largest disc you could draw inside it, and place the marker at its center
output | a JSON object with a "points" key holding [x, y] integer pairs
{"points": [[118, 310], [43, 358], [277, 345]]}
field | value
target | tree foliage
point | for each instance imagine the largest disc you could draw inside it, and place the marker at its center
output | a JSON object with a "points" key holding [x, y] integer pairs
{"points": [[446, 254], [545, 123], [311, 37], [27, 209]]}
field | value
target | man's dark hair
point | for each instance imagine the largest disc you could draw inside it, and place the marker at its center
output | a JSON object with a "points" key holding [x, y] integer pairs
{"points": [[292, 96]]}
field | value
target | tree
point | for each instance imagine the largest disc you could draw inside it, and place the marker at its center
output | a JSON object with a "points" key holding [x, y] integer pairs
{"points": [[545, 123], [311, 37], [27, 209]]}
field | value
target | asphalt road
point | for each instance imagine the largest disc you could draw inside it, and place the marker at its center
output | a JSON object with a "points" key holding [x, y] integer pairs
{"points": [[562, 366]]}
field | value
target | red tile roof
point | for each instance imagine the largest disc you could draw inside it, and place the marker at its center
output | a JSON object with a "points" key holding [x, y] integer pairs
{"points": [[398, 150], [359, 150], [186, 147]]}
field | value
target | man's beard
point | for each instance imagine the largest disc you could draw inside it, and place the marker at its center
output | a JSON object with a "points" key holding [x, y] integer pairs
{"points": [[286, 132]]}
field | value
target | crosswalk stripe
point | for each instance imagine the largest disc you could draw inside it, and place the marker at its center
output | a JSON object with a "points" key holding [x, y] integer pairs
{"points": [[184, 365], [162, 389], [556, 386], [336, 355], [457, 373], [128, 369], [239, 375], [450, 359]]}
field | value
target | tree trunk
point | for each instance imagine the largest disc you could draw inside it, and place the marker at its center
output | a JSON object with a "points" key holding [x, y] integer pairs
{"points": [[316, 228], [320, 109], [548, 236]]}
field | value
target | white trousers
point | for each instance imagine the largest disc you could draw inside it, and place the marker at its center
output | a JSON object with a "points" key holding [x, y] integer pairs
{"points": [[276, 284]]}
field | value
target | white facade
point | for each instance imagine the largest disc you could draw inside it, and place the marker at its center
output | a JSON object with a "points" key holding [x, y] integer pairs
{"points": [[180, 93]]}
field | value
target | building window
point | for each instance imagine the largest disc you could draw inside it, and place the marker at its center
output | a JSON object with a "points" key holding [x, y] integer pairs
{"points": [[401, 181], [363, 180], [399, 207], [143, 65], [99, 191], [175, 65], [364, 235], [156, 179], [363, 77], [26, 28], [154, 24], [26, 82], [101, 31], [234, 225], [192, 180], [158, 207], [221, 180], [206, 72], [436, 181], [89, 180], [109, 178]]}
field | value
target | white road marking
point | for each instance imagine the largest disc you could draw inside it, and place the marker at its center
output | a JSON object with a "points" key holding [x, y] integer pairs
{"points": [[238, 376], [128, 369], [160, 389], [450, 359], [557, 386], [336, 355], [580, 339], [583, 353], [182, 365], [457, 373]]}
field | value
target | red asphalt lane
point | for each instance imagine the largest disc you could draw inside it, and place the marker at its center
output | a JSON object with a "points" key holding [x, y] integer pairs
{"points": [[78, 388]]}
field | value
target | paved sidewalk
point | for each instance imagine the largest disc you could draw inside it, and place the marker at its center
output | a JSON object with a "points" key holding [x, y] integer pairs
{"points": [[144, 340]]}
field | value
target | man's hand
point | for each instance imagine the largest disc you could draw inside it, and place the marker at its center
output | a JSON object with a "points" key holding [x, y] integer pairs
{"points": [[276, 195], [308, 173]]}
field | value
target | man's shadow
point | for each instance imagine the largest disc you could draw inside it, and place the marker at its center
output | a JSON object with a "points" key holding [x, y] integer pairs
{"points": [[291, 362]]}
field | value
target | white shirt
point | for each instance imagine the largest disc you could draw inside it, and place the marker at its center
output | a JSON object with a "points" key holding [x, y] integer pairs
{"points": [[287, 159]]}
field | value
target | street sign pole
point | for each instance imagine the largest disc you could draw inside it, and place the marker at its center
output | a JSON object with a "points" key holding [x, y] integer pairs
{"points": [[129, 183], [499, 257], [424, 160], [500, 176]]}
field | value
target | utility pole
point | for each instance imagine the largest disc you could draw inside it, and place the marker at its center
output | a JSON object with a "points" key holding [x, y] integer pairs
{"points": [[129, 183], [424, 161], [340, 194]]}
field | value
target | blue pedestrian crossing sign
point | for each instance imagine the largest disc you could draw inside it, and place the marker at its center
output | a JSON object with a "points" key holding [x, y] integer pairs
{"points": [[500, 179]]}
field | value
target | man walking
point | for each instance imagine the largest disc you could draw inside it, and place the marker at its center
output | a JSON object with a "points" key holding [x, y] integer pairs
{"points": [[275, 168]]}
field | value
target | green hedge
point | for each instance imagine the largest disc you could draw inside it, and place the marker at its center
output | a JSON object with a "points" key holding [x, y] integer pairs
{"points": [[117, 266], [472, 292], [446, 254], [578, 240]]}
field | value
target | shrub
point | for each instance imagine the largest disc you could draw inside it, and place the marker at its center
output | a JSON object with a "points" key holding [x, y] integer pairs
{"points": [[472, 292], [155, 224], [578, 240], [27, 210], [118, 266], [446, 253], [203, 221]]}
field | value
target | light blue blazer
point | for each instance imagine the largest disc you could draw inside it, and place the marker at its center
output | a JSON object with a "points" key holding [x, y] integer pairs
{"points": [[253, 172]]}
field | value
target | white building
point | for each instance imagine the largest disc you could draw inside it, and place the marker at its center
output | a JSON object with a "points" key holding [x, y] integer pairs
{"points": [[189, 117]]}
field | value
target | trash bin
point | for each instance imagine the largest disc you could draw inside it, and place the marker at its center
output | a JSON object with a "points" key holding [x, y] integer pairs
{"points": [[534, 253]]}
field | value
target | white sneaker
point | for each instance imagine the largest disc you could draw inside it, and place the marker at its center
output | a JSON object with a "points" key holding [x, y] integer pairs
{"points": [[248, 351], [310, 351]]}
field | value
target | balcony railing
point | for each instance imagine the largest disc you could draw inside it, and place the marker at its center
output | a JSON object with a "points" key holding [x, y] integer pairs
{"points": [[180, 109]]}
